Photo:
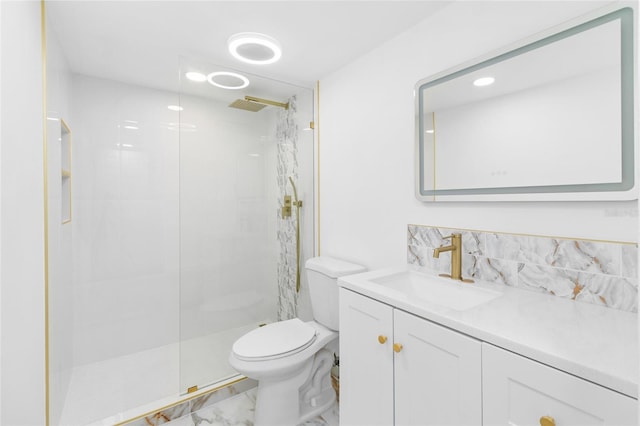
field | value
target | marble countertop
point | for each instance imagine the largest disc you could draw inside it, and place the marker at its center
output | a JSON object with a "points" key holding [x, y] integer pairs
{"points": [[595, 343]]}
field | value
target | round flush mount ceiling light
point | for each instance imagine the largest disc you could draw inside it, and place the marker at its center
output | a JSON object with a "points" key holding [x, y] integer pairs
{"points": [[254, 48], [196, 76], [484, 81], [228, 80]]}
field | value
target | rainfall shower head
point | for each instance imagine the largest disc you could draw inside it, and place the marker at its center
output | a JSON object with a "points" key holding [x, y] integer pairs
{"points": [[246, 105], [250, 103]]}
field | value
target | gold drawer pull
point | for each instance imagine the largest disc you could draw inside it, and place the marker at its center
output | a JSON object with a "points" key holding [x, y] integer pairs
{"points": [[397, 347], [547, 421], [382, 339]]}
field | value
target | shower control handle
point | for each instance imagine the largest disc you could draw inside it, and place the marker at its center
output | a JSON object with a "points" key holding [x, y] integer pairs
{"points": [[286, 207]]}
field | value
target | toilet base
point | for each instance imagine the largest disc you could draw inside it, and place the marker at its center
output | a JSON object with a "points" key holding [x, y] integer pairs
{"points": [[310, 388], [322, 403], [317, 394], [276, 402]]}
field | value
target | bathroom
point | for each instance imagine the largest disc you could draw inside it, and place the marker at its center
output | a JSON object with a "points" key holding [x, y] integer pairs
{"points": [[360, 195]]}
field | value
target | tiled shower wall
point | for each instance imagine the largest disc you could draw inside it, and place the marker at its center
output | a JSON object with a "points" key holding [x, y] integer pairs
{"points": [[287, 144], [602, 273]]}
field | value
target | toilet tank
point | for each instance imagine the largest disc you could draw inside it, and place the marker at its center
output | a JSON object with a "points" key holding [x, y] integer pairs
{"points": [[323, 273]]}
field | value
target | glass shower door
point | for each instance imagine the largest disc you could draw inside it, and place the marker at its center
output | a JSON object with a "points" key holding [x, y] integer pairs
{"points": [[230, 256]]}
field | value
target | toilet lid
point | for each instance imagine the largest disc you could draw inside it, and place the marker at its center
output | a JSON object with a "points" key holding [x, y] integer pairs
{"points": [[275, 340]]}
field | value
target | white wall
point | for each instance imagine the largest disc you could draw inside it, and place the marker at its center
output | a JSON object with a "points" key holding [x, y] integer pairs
{"points": [[1, 100], [0, 216], [60, 282], [367, 140], [125, 219], [22, 245]]}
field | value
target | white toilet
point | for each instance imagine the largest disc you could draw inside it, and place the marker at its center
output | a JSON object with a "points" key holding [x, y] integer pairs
{"points": [[289, 359]]}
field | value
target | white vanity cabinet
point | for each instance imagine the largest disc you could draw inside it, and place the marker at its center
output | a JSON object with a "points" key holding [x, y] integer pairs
{"points": [[366, 361], [520, 359], [401, 369], [520, 392], [397, 368]]}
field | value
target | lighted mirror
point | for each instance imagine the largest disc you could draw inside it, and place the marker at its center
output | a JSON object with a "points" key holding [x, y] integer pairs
{"points": [[551, 119]]}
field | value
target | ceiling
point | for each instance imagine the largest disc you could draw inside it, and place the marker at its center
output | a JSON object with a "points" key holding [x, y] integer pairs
{"points": [[140, 42]]}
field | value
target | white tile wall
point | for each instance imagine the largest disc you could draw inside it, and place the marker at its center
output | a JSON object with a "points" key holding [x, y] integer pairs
{"points": [[60, 235], [228, 249], [22, 361], [125, 219]]}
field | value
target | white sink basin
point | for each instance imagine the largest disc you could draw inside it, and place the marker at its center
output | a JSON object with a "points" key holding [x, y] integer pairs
{"points": [[438, 290]]}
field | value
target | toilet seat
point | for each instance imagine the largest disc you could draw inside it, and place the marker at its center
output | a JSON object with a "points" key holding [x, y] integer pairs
{"points": [[276, 340]]}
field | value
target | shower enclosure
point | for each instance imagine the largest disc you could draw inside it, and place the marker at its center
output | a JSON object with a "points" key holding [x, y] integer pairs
{"points": [[174, 244], [237, 252]]}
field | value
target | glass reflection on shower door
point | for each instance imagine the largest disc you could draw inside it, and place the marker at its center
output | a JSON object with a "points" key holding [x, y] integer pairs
{"points": [[229, 202]]}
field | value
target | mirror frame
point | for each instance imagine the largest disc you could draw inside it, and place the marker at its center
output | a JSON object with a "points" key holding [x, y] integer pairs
{"points": [[625, 190]]}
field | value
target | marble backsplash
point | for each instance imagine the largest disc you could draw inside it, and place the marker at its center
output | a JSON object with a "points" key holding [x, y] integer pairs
{"points": [[598, 272]]}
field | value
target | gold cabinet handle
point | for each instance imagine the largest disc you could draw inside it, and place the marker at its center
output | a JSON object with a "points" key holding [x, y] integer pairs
{"points": [[382, 339], [547, 421], [397, 347]]}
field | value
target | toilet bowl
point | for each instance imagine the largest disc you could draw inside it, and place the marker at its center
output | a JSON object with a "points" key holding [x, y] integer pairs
{"points": [[289, 359]]}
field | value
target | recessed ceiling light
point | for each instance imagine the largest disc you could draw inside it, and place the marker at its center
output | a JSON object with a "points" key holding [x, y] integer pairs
{"points": [[428, 131], [484, 81], [228, 80], [196, 76], [175, 107], [254, 48]]}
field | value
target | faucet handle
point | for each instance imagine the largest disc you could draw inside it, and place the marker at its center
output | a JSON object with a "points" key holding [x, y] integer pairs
{"points": [[452, 236]]}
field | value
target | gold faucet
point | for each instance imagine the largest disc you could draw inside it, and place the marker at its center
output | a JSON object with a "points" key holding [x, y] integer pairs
{"points": [[456, 257]]}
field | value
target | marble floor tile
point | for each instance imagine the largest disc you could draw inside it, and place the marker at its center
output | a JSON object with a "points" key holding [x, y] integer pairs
{"points": [[239, 411]]}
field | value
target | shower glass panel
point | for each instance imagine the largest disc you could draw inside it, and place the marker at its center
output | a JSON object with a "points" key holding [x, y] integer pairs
{"points": [[237, 254], [113, 300]]}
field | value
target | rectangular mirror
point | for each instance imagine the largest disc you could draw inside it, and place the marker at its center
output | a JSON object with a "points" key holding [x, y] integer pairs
{"points": [[549, 120]]}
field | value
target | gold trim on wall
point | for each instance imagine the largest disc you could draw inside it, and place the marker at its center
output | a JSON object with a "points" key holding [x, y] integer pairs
{"points": [[45, 170], [593, 240], [317, 126]]}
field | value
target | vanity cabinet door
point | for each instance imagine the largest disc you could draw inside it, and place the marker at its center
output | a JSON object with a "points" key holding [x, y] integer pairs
{"points": [[366, 361], [520, 392], [438, 376]]}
